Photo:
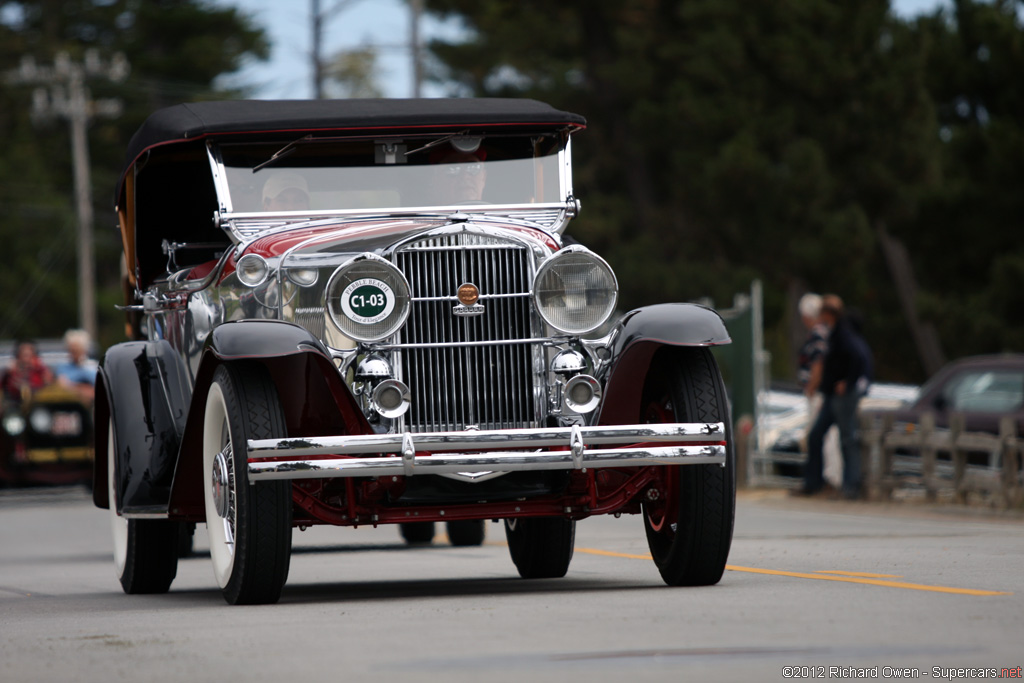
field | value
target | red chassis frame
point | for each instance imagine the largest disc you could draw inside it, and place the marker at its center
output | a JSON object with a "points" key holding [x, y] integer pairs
{"points": [[351, 502]]}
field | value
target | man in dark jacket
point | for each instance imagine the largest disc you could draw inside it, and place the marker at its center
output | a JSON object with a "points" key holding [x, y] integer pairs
{"points": [[845, 378]]}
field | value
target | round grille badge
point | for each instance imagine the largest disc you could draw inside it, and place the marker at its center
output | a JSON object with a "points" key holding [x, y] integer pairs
{"points": [[468, 294], [367, 301]]}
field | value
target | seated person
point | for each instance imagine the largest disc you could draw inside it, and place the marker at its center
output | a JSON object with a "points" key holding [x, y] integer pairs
{"points": [[285, 191], [460, 176], [79, 372], [26, 374]]}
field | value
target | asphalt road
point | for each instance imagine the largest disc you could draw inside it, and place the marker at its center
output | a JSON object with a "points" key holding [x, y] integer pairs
{"points": [[814, 588]]}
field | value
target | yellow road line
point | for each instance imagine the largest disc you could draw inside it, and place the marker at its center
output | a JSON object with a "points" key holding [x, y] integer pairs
{"points": [[867, 575], [870, 582], [854, 578]]}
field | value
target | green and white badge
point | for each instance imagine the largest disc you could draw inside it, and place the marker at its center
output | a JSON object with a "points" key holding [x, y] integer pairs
{"points": [[367, 301]]}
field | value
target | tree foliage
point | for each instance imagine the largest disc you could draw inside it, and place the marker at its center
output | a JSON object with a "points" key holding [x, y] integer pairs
{"points": [[731, 140], [177, 50], [969, 248], [352, 74]]}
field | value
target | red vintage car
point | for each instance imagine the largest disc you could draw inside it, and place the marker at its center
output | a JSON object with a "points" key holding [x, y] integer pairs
{"points": [[46, 439], [367, 312]]}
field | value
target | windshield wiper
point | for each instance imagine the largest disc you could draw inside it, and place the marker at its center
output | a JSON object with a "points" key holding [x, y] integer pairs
{"points": [[282, 153], [439, 141]]}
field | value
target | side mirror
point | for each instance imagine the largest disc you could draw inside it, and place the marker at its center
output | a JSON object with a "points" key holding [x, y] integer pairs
{"points": [[940, 403]]}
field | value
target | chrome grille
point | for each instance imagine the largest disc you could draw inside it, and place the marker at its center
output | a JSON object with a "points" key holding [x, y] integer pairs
{"points": [[481, 371], [314, 319]]}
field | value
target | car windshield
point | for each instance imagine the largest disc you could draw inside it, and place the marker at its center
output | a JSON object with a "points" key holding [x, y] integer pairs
{"points": [[371, 175], [994, 391]]}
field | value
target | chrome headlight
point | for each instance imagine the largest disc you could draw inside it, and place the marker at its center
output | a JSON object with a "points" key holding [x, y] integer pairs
{"points": [[252, 270], [14, 424], [368, 298], [41, 420], [575, 290], [303, 277]]}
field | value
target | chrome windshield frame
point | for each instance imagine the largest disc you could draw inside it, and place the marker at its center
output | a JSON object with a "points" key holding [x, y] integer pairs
{"points": [[232, 221]]}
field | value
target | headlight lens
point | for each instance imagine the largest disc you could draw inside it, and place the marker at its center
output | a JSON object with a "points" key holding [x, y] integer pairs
{"points": [[575, 290], [14, 424], [41, 421], [303, 277], [368, 298], [252, 270]]}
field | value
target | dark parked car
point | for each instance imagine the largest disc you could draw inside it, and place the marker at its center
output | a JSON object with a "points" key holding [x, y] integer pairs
{"points": [[366, 312], [983, 388]]}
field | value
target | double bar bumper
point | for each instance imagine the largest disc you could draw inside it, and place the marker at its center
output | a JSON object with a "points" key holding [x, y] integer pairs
{"points": [[480, 452]]}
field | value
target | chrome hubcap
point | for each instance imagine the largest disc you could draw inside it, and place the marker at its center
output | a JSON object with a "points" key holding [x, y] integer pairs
{"points": [[221, 478]]}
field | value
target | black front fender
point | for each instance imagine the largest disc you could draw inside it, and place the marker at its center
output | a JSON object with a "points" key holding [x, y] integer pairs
{"points": [[639, 335], [261, 339], [314, 398], [672, 325], [143, 388]]}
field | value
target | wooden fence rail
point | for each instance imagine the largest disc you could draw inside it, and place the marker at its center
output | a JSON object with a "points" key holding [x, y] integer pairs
{"points": [[893, 458]]}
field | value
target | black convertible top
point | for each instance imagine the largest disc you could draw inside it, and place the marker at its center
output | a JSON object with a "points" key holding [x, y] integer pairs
{"points": [[200, 119]]}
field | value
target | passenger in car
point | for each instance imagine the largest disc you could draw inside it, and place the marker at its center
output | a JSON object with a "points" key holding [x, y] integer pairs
{"points": [[461, 177], [285, 191], [79, 372], [26, 374]]}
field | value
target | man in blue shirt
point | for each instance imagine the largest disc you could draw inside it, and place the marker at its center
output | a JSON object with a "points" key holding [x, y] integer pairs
{"points": [[846, 374], [79, 372]]}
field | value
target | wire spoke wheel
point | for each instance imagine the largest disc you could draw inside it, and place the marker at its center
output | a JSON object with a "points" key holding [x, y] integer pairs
{"points": [[688, 511], [660, 516], [220, 486], [249, 525]]}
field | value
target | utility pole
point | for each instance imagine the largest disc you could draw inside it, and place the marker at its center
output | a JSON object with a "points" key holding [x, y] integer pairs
{"points": [[318, 17], [317, 55], [415, 11], [62, 93]]}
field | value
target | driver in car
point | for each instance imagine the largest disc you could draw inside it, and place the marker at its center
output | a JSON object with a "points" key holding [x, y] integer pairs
{"points": [[285, 191], [460, 177]]}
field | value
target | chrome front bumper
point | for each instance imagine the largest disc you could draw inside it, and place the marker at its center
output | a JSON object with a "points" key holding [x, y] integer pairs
{"points": [[481, 452]]}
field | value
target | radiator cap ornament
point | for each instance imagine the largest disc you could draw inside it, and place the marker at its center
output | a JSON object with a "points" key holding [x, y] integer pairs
{"points": [[468, 294]]}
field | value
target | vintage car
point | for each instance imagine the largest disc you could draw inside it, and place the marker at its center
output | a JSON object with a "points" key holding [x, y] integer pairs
{"points": [[364, 312], [46, 439]]}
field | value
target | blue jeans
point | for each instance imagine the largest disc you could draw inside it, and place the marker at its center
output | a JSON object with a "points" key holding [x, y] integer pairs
{"points": [[840, 411]]}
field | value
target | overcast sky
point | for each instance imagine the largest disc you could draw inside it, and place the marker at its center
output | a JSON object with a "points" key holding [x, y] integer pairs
{"points": [[383, 24], [380, 23]]}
